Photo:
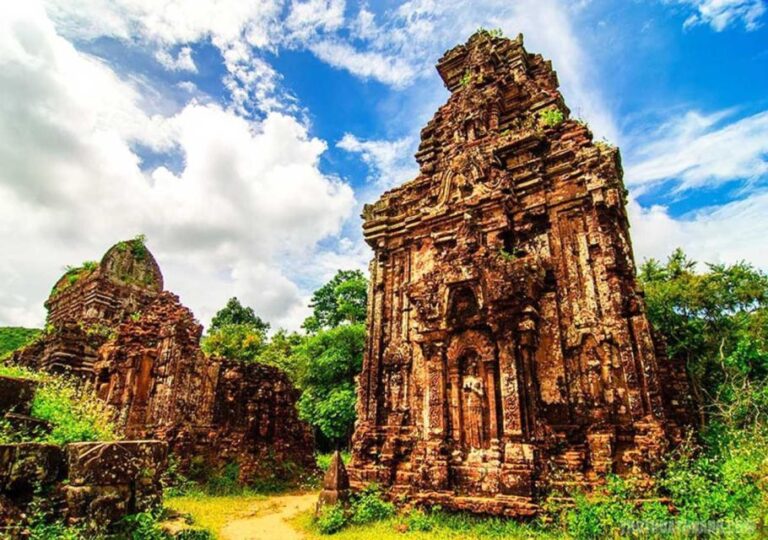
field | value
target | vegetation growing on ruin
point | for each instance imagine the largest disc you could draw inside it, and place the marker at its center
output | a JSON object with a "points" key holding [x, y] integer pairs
{"points": [[72, 275], [137, 246], [15, 337], [492, 32], [67, 406], [551, 117]]}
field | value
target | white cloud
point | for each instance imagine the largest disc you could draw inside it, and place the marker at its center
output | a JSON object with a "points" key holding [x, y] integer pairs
{"points": [[182, 62], [391, 162], [251, 81], [397, 48], [188, 86], [235, 27], [365, 64], [720, 14], [169, 22], [701, 149], [307, 18], [721, 234], [249, 195]]}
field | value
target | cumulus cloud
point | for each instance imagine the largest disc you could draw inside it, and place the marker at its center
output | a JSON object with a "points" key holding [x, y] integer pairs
{"points": [[239, 29], [720, 234], [697, 149], [390, 162], [248, 196], [169, 22]]}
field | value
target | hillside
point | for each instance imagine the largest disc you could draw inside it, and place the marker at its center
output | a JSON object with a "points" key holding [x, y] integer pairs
{"points": [[13, 337]]}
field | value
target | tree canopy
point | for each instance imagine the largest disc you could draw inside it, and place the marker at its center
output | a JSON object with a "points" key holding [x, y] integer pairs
{"points": [[331, 360], [716, 321], [235, 313], [331, 356], [340, 301], [236, 332]]}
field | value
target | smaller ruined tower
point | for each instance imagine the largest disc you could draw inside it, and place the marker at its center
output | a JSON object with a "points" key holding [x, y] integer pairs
{"points": [[508, 348], [112, 324]]}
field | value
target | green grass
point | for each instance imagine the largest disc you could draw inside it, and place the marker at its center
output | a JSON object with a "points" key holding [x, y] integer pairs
{"points": [[15, 337], [212, 513], [418, 525]]}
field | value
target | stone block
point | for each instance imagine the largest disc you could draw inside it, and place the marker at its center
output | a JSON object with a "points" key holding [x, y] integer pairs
{"points": [[16, 394], [25, 466], [115, 463]]}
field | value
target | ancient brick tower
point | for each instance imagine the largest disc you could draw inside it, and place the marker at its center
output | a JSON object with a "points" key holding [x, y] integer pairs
{"points": [[508, 348]]}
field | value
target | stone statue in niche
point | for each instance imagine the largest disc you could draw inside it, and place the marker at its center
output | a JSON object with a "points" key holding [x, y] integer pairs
{"points": [[474, 403]]}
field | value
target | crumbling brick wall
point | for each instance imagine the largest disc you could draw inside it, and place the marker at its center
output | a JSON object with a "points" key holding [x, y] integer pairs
{"points": [[94, 483]]}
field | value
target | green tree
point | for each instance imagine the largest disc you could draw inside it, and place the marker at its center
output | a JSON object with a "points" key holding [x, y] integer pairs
{"points": [[280, 352], [235, 313], [236, 332], [331, 360], [341, 300], [715, 321]]}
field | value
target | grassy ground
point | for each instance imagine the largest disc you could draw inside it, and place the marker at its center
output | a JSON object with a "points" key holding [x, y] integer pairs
{"points": [[213, 512], [439, 526]]}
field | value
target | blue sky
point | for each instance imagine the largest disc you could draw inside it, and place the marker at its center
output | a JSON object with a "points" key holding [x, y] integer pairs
{"points": [[243, 136]]}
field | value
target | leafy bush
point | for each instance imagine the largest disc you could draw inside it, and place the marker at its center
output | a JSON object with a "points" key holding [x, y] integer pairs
{"points": [[142, 526], [74, 413], [332, 519], [364, 507], [368, 506], [56, 531], [175, 482], [70, 408], [225, 482], [725, 483]]}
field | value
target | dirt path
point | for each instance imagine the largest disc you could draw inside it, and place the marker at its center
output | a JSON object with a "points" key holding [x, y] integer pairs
{"points": [[270, 523]]}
